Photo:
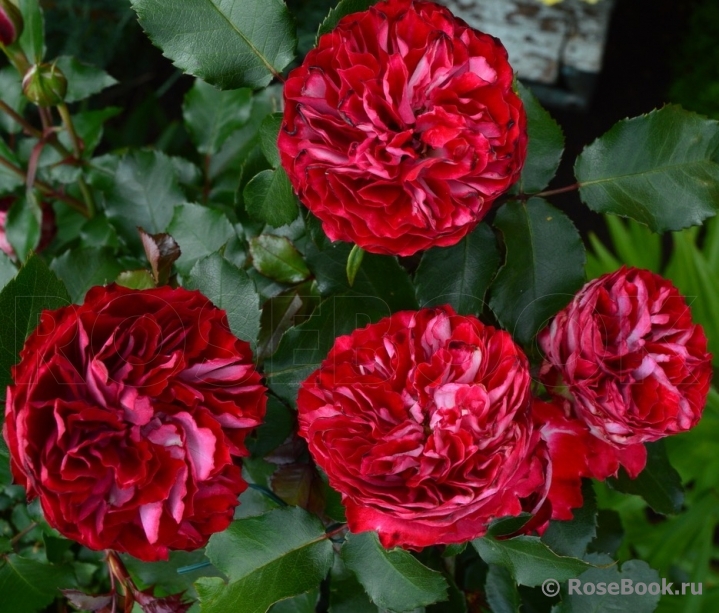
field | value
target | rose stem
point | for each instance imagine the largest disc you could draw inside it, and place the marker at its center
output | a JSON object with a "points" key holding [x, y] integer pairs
{"points": [[553, 192], [77, 148], [29, 528], [47, 189]]}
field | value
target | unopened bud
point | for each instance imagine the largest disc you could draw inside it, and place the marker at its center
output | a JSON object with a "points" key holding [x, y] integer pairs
{"points": [[11, 23], [45, 85]]}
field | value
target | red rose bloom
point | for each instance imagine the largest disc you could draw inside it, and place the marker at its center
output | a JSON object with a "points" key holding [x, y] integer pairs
{"points": [[628, 354], [421, 421], [401, 128], [126, 415]]}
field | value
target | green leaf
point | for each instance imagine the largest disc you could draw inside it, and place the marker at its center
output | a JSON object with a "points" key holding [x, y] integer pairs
{"points": [[544, 148], [537, 279], [229, 288], [212, 115], [660, 169], [11, 88], [304, 603], [97, 232], [229, 44], [55, 547], [276, 258], [174, 575], [136, 279], [276, 427], [83, 80], [269, 197], [8, 179], [570, 538], [89, 126], [659, 484], [268, 558], [345, 7], [393, 579], [28, 585], [269, 132], [303, 347], [459, 275], [635, 570], [610, 533], [23, 225], [7, 270], [501, 591], [32, 39], [81, 269], [281, 312], [200, 231], [504, 526], [33, 289], [354, 261], [529, 561], [346, 593], [380, 276], [144, 193]]}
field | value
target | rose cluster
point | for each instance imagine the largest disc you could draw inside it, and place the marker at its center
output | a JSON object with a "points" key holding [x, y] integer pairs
{"points": [[126, 416], [401, 128], [425, 423]]}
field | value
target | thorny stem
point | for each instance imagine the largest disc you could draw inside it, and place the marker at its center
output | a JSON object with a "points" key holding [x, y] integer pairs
{"points": [[48, 189]]}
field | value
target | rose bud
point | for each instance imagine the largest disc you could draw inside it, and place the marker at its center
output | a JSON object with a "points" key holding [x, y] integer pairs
{"points": [[48, 229], [11, 23], [401, 128], [44, 85], [627, 355], [422, 423], [127, 417]]}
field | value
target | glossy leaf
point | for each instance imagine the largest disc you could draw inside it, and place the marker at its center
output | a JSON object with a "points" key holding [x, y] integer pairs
{"points": [[136, 279], [21, 301], [380, 276], [343, 8], [144, 193], [303, 347], [269, 197], [346, 593], [659, 484], [393, 579], [9, 180], [269, 132], [32, 39], [11, 88], [544, 147], [459, 275], [23, 226], [278, 424], [81, 269], [502, 593], [229, 44], [571, 537], [276, 258], [83, 80], [211, 115], [611, 577], [528, 559], [661, 169], [200, 231], [537, 278], [229, 288], [7, 270], [282, 553], [27, 585]]}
